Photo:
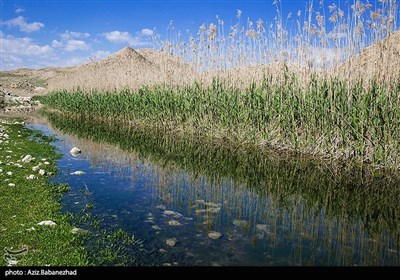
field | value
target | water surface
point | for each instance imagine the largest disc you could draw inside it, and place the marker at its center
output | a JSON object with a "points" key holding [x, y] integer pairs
{"points": [[226, 204]]}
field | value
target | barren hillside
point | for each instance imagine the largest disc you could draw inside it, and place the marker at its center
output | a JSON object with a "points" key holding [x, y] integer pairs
{"points": [[126, 68], [381, 60]]}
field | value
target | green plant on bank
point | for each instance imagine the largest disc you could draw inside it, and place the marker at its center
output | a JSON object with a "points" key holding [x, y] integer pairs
{"points": [[24, 203], [326, 118]]}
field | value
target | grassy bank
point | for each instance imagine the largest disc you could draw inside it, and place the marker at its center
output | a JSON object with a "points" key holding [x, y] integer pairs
{"points": [[326, 118], [26, 202]]}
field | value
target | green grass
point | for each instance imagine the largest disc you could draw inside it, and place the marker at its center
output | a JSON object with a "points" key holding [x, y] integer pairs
{"points": [[31, 201], [326, 118]]}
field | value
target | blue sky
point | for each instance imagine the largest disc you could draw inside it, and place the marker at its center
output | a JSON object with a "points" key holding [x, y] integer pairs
{"points": [[62, 33]]}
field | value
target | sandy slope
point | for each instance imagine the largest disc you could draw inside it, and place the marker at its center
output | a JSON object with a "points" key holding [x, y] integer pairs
{"points": [[381, 60], [126, 68]]}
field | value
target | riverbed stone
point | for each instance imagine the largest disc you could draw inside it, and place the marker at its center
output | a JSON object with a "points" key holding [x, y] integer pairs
{"points": [[174, 223], [241, 223], [212, 204], [213, 209], [214, 235], [156, 227], [75, 151], [78, 173], [171, 242], [173, 213], [262, 227]]}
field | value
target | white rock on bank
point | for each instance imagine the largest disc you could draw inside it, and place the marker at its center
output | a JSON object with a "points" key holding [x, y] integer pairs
{"points": [[42, 172], [27, 158], [47, 223], [78, 230], [31, 177], [35, 168]]}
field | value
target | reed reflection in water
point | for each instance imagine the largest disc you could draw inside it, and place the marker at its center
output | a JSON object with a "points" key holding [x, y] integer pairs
{"points": [[271, 209]]}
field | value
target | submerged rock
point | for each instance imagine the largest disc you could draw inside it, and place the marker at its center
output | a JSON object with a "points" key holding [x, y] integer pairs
{"points": [[214, 235], [77, 173], [75, 151], [172, 213], [47, 223], [262, 227], [241, 223], [212, 204], [213, 209], [174, 223], [156, 227], [162, 207], [171, 242]]}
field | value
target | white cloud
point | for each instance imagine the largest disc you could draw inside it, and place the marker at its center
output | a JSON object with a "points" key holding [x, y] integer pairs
{"points": [[21, 52], [147, 32], [23, 25], [99, 55], [73, 45], [70, 35], [19, 10], [22, 47], [56, 44], [120, 37], [75, 61]]}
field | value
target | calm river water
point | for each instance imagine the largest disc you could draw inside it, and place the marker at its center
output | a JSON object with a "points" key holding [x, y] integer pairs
{"points": [[220, 204]]}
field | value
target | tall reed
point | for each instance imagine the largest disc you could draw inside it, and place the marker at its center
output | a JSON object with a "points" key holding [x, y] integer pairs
{"points": [[327, 118], [322, 36]]}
